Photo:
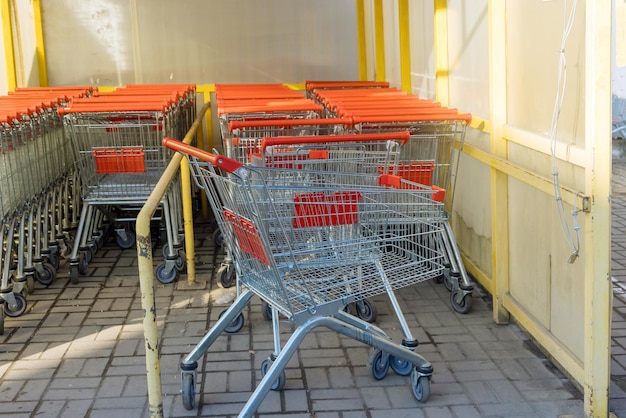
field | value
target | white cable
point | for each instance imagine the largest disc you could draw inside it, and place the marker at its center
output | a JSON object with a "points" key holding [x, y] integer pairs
{"points": [[572, 239]]}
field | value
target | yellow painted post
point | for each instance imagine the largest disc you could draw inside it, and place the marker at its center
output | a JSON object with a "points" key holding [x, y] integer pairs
{"points": [[146, 276], [207, 145], [360, 25], [499, 148], [9, 50], [405, 45], [379, 34], [441, 52], [40, 45], [598, 294]]}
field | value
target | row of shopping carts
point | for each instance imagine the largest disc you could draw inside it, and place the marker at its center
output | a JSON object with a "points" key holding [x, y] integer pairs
{"points": [[322, 206], [37, 185], [118, 155]]}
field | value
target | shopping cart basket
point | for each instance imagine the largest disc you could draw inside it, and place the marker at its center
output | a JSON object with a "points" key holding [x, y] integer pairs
{"points": [[311, 242]]}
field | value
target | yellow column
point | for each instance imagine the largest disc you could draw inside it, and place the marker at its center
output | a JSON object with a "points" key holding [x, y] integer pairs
{"points": [[360, 25], [40, 46], [441, 52], [499, 148], [405, 45], [9, 51], [379, 34], [597, 233]]}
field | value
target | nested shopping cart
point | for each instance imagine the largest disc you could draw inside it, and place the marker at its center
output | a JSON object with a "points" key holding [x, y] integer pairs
{"points": [[119, 158], [308, 243]]}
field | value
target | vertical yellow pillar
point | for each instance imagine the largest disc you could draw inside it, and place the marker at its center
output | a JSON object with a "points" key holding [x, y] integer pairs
{"points": [[379, 34], [9, 51], [405, 45], [597, 243], [360, 25], [498, 147], [39, 45], [441, 52]]}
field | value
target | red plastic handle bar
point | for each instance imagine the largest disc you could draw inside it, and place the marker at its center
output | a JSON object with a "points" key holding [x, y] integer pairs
{"points": [[402, 136], [227, 164], [239, 124], [114, 107], [435, 117]]}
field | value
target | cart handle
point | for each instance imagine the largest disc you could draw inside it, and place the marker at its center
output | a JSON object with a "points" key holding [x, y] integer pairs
{"points": [[238, 124], [402, 136], [227, 164], [463, 117]]}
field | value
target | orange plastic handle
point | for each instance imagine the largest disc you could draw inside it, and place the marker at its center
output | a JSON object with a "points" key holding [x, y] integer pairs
{"points": [[303, 107], [402, 136], [242, 124], [113, 107], [435, 117], [227, 164]]}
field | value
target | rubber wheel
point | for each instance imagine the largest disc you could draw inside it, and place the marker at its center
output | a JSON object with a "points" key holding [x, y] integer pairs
{"points": [[278, 383], [188, 390], [127, 243], [266, 310], [53, 259], [87, 255], [420, 386], [180, 262], [47, 276], [83, 263], [18, 309], [366, 310], [400, 367], [439, 279], [464, 306], [74, 274], [2, 324], [227, 276], [235, 325], [218, 238], [447, 281], [163, 276], [378, 364], [30, 283]]}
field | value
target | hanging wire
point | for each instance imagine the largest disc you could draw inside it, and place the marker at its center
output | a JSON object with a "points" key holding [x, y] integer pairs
{"points": [[572, 238]]}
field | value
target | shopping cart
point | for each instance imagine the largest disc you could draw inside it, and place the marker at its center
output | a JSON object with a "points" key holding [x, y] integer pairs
{"points": [[119, 160], [310, 242]]}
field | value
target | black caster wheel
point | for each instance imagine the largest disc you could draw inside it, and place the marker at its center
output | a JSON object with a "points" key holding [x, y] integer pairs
{"points": [[235, 325], [18, 309], [464, 305], [227, 276], [366, 310], [164, 276], [83, 264], [188, 390], [47, 275], [278, 383], [378, 364], [420, 386], [400, 367], [126, 242], [180, 262]]}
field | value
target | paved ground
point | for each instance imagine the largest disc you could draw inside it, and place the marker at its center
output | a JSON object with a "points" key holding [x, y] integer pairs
{"points": [[78, 352]]}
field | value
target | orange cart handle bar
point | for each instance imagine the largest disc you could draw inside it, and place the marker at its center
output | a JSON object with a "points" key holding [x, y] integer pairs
{"points": [[402, 136], [462, 117], [239, 124], [227, 164]]}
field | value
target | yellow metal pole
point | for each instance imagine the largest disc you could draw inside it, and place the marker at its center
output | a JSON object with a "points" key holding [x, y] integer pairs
{"points": [[39, 45], [598, 295], [9, 51], [499, 148], [207, 144], [441, 52], [379, 34], [146, 276], [360, 24], [405, 45]]}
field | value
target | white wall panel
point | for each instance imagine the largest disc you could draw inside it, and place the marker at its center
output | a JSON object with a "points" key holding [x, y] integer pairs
{"points": [[114, 42], [422, 48]]}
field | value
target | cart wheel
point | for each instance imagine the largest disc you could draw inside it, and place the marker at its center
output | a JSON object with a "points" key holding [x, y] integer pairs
{"points": [[127, 243], [163, 276], [400, 367], [180, 261], [465, 305], [366, 310], [447, 281], [378, 364], [280, 382], [218, 238], [420, 386], [53, 259], [2, 323], [83, 263], [235, 325], [266, 309], [439, 279], [74, 274], [87, 255], [188, 391], [227, 275], [18, 309], [47, 276], [30, 283]]}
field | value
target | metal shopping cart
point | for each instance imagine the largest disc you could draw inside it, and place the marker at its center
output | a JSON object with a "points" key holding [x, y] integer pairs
{"points": [[309, 242], [119, 160]]}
